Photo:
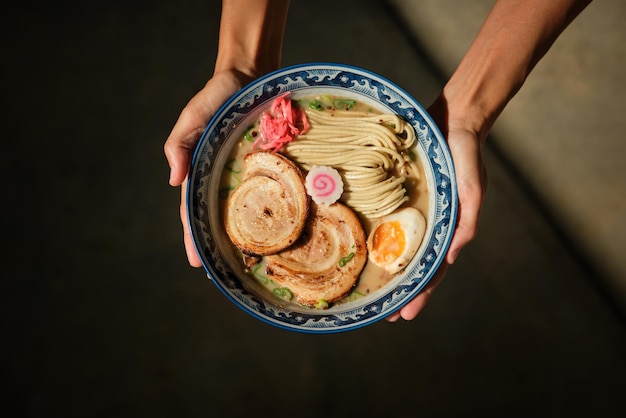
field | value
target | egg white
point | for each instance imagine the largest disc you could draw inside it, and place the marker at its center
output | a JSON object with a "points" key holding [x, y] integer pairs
{"points": [[413, 225]]}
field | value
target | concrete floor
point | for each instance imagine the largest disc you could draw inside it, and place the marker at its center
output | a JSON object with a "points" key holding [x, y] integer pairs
{"points": [[102, 316]]}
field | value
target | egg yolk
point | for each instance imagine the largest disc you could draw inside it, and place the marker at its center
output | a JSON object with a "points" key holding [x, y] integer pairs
{"points": [[388, 242]]}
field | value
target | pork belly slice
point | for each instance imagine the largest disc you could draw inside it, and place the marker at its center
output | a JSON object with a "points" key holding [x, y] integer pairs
{"points": [[267, 212], [325, 263]]}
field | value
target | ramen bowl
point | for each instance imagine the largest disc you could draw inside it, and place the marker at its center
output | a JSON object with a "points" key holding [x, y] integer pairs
{"points": [[224, 266]]}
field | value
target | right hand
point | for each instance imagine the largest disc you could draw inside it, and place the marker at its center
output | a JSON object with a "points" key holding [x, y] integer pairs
{"points": [[471, 177]]}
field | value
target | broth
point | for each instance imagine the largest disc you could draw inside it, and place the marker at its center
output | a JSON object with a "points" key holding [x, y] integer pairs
{"points": [[372, 277]]}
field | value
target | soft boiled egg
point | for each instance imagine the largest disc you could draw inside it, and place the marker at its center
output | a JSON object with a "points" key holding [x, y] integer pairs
{"points": [[395, 238]]}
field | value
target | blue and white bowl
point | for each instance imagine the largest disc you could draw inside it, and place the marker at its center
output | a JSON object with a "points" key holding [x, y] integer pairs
{"points": [[229, 124]]}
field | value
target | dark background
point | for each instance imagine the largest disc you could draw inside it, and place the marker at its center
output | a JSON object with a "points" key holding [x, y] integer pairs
{"points": [[103, 317]]}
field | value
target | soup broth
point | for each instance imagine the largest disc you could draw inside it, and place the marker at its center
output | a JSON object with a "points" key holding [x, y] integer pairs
{"points": [[319, 108]]}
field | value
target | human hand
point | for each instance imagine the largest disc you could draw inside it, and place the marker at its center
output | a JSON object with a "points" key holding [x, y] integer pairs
{"points": [[186, 133], [471, 176]]}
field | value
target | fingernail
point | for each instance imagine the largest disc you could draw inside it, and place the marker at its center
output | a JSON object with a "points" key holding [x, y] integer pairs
{"points": [[171, 176]]}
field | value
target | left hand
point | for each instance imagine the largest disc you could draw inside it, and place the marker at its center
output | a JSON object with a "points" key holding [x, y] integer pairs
{"points": [[186, 133]]}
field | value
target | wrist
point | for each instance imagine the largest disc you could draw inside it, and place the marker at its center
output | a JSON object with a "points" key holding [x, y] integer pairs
{"points": [[483, 84], [245, 58], [509, 44], [251, 36]]}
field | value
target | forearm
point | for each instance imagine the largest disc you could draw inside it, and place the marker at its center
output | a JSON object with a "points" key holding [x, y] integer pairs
{"points": [[251, 36], [513, 38]]}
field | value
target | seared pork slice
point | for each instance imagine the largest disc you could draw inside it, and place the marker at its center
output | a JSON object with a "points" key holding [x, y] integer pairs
{"points": [[326, 262], [267, 212]]}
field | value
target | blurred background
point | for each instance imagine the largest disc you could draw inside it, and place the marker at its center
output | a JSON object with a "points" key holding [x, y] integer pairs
{"points": [[103, 317]]}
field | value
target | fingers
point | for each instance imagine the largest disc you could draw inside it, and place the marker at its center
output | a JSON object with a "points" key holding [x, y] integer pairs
{"points": [[471, 178], [192, 121], [471, 183], [181, 143], [190, 248], [393, 317], [409, 311], [178, 150]]}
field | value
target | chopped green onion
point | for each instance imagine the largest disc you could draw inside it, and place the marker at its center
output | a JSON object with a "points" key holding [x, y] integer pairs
{"points": [[232, 166], [248, 136], [321, 304], [260, 277], [344, 260], [354, 295], [316, 105], [283, 293], [344, 104]]}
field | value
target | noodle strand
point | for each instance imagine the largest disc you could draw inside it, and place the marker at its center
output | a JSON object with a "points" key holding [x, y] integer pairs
{"points": [[368, 149]]}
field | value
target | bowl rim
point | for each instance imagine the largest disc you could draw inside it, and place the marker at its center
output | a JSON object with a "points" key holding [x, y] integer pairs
{"points": [[321, 322]]}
